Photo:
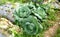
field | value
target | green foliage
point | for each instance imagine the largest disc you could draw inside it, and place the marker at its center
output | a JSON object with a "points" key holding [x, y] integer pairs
{"points": [[2, 2], [28, 17], [49, 9], [25, 1], [46, 24], [33, 19], [23, 11], [40, 13], [58, 33]]}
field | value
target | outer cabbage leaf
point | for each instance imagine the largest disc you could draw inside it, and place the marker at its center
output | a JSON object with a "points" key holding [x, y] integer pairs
{"points": [[26, 17], [40, 13], [23, 11], [31, 25]]}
